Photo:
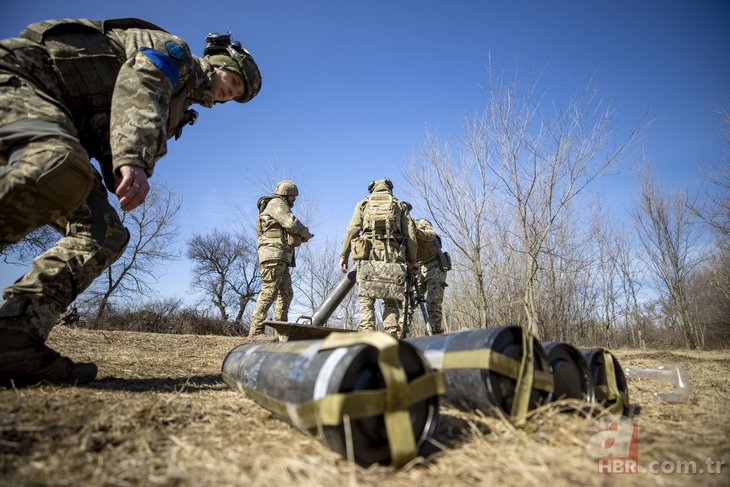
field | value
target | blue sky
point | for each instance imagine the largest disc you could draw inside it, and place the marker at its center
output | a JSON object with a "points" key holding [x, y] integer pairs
{"points": [[350, 87]]}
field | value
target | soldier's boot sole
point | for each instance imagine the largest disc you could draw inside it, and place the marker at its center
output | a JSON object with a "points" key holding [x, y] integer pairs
{"points": [[25, 360]]}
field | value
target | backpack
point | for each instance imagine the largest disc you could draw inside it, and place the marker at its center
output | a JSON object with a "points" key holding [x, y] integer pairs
{"points": [[382, 215], [261, 205]]}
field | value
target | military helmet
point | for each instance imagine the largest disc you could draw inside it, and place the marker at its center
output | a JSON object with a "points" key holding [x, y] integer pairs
{"points": [[286, 188], [224, 53], [388, 183]]}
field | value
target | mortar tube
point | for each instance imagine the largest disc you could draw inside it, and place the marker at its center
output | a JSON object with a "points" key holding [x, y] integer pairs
{"points": [[482, 388], [572, 378], [295, 373], [594, 358], [334, 298]]}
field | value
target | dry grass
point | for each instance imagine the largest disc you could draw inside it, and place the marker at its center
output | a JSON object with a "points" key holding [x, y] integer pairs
{"points": [[159, 415]]}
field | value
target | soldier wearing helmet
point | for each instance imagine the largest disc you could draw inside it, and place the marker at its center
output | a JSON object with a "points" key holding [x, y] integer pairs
{"points": [[279, 234], [433, 265], [72, 90], [226, 55], [382, 224]]}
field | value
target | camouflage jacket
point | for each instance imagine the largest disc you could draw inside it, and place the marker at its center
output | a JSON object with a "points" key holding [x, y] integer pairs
{"points": [[406, 232], [126, 88], [279, 232], [426, 248]]}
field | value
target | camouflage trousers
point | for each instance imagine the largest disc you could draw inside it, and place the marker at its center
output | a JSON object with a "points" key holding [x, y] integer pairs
{"points": [[275, 287], [431, 283], [46, 179], [391, 307], [391, 312]]}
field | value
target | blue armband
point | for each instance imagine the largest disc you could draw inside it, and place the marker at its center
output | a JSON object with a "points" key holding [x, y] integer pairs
{"points": [[166, 64]]}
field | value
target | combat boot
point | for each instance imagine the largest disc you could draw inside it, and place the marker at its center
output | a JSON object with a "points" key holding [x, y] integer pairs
{"points": [[25, 360]]}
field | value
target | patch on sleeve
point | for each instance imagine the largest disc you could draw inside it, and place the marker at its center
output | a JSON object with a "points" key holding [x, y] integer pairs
{"points": [[175, 50], [163, 62]]}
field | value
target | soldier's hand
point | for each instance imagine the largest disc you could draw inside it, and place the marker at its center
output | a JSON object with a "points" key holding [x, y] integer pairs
{"points": [[413, 267], [132, 188], [343, 264]]}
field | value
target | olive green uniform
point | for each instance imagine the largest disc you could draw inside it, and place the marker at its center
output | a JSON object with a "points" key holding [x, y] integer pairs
{"points": [[279, 233], [398, 246], [71, 90]]}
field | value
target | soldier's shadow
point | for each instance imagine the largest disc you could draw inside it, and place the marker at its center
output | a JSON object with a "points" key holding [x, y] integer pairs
{"points": [[187, 384]]}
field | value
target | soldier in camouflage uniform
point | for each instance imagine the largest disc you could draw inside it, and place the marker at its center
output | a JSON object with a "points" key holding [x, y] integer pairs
{"points": [[396, 245], [71, 90], [431, 275], [279, 233]]}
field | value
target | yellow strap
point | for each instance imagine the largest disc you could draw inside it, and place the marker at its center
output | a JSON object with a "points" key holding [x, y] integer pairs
{"points": [[543, 381], [425, 386], [485, 358], [523, 388], [618, 401], [330, 410], [376, 339], [397, 418], [392, 401]]}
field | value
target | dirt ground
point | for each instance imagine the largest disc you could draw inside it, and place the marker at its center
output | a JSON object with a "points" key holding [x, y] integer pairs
{"points": [[159, 414]]}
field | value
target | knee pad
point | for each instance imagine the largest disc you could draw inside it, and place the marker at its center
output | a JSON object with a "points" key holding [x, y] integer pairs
{"points": [[68, 179]]}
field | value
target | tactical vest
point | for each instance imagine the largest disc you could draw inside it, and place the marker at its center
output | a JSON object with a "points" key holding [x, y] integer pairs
{"points": [[266, 226], [87, 63], [86, 60], [382, 215]]}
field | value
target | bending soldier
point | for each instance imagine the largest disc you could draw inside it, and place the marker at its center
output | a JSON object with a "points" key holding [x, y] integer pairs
{"points": [[279, 232], [380, 230], [70, 90]]}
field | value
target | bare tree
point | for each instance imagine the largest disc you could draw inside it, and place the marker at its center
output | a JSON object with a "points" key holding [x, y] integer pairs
{"points": [[568, 286], [153, 230], [669, 237], [542, 164], [710, 286], [316, 275], [225, 270], [455, 196], [517, 179], [716, 213], [32, 245], [630, 287]]}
